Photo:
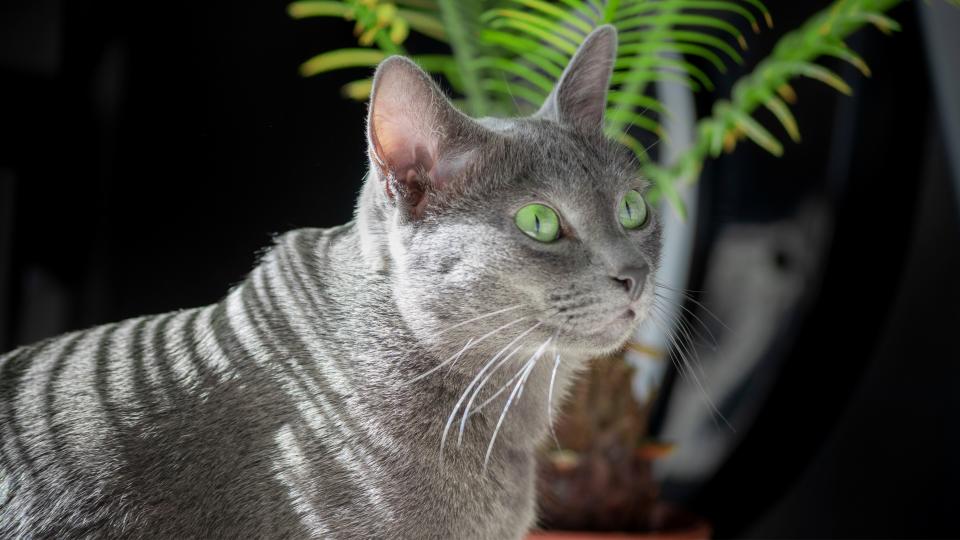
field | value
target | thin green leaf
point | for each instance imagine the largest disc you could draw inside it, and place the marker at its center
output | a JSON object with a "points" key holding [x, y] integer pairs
{"points": [[517, 69], [783, 114], [424, 23], [543, 57], [666, 47], [638, 100], [553, 27], [556, 12], [814, 71], [755, 132], [310, 8], [671, 19], [536, 32], [631, 143], [631, 118], [665, 185], [621, 77], [675, 64], [465, 52], [841, 51], [682, 36], [514, 91], [358, 90], [763, 10], [341, 58], [713, 5]]}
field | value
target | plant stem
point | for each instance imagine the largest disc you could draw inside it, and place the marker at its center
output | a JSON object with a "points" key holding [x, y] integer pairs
{"points": [[464, 52]]}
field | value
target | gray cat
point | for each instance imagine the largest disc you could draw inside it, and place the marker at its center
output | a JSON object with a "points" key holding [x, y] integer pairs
{"points": [[388, 378]]}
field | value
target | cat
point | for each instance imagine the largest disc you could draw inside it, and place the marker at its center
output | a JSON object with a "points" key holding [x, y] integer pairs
{"points": [[387, 378]]}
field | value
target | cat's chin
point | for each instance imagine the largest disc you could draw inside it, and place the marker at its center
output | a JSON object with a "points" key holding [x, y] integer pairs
{"points": [[606, 339]]}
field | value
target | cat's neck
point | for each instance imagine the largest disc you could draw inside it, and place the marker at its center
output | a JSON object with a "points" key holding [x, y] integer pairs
{"points": [[332, 312]]}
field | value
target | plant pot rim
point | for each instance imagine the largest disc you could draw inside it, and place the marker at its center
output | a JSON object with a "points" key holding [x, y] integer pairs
{"points": [[692, 527]]}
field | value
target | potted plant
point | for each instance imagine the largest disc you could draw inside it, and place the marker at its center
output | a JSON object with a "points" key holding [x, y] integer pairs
{"points": [[504, 56]]}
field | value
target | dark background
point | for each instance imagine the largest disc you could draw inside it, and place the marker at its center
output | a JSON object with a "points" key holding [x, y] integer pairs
{"points": [[149, 150]]}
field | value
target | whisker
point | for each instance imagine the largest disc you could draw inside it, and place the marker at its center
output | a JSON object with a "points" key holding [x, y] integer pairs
{"points": [[526, 373], [470, 411], [693, 314], [476, 391], [553, 378], [453, 413], [457, 355], [687, 294], [683, 351], [478, 318]]}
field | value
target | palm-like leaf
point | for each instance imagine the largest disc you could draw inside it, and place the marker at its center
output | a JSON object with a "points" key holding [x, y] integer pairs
{"points": [[506, 55]]}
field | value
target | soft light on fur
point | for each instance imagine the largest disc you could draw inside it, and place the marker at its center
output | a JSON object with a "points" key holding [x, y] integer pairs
{"points": [[357, 384]]}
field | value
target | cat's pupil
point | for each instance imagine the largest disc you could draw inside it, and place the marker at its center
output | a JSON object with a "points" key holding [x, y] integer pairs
{"points": [[536, 221], [629, 210]]}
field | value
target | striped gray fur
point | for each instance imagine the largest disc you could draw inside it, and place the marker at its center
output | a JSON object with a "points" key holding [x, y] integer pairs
{"points": [[307, 403]]}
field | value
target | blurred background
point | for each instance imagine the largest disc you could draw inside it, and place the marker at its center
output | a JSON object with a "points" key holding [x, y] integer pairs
{"points": [[148, 151]]}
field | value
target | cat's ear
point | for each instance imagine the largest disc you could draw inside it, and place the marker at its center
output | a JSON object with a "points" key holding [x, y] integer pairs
{"points": [[580, 96], [418, 141]]}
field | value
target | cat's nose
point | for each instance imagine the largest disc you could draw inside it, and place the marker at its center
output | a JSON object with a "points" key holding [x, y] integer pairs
{"points": [[632, 279]]}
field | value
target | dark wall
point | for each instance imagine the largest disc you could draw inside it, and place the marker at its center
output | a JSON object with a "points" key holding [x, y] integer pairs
{"points": [[154, 148]]}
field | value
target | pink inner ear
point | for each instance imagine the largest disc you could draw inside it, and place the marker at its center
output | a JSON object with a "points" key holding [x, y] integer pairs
{"points": [[410, 121]]}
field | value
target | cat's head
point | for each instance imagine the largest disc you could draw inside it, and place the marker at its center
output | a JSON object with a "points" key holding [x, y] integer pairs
{"points": [[533, 224]]}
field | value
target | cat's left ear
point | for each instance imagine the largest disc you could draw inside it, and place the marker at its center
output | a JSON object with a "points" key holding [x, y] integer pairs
{"points": [[418, 142], [580, 96]]}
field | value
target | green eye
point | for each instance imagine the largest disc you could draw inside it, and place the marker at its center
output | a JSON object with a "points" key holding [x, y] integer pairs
{"points": [[539, 222], [633, 210]]}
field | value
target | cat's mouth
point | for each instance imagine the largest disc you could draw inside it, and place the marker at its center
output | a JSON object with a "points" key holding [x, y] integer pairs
{"points": [[610, 334]]}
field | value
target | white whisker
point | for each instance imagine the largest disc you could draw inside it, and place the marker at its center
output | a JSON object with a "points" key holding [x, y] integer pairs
{"points": [[553, 378], [470, 343], [526, 373], [453, 413], [478, 318]]}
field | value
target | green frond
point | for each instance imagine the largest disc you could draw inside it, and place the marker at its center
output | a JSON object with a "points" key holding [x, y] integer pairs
{"points": [[529, 49], [309, 8], [841, 51], [664, 185], [813, 71], [768, 85], [665, 47], [358, 90], [459, 19], [674, 64], [555, 28], [558, 13], [638, 120], [673, 19], [425, 23], [512, 92], [422, 4], [780, 109], [519, 70], [632, 143], [341, 58], [535, 32], [745, 124], [640, 101], [681, 36], [645, 8], [623, 78]]}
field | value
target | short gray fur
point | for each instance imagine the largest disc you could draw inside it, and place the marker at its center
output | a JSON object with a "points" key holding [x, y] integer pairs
{"points": [[298, 406]]}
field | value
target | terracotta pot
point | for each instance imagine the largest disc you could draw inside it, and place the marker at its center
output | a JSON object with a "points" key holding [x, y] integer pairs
{"points": [[670, 524]]}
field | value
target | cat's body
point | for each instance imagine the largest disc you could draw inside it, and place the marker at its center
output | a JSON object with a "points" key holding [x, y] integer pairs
{"points": [[238, 419], [324, 396]]}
